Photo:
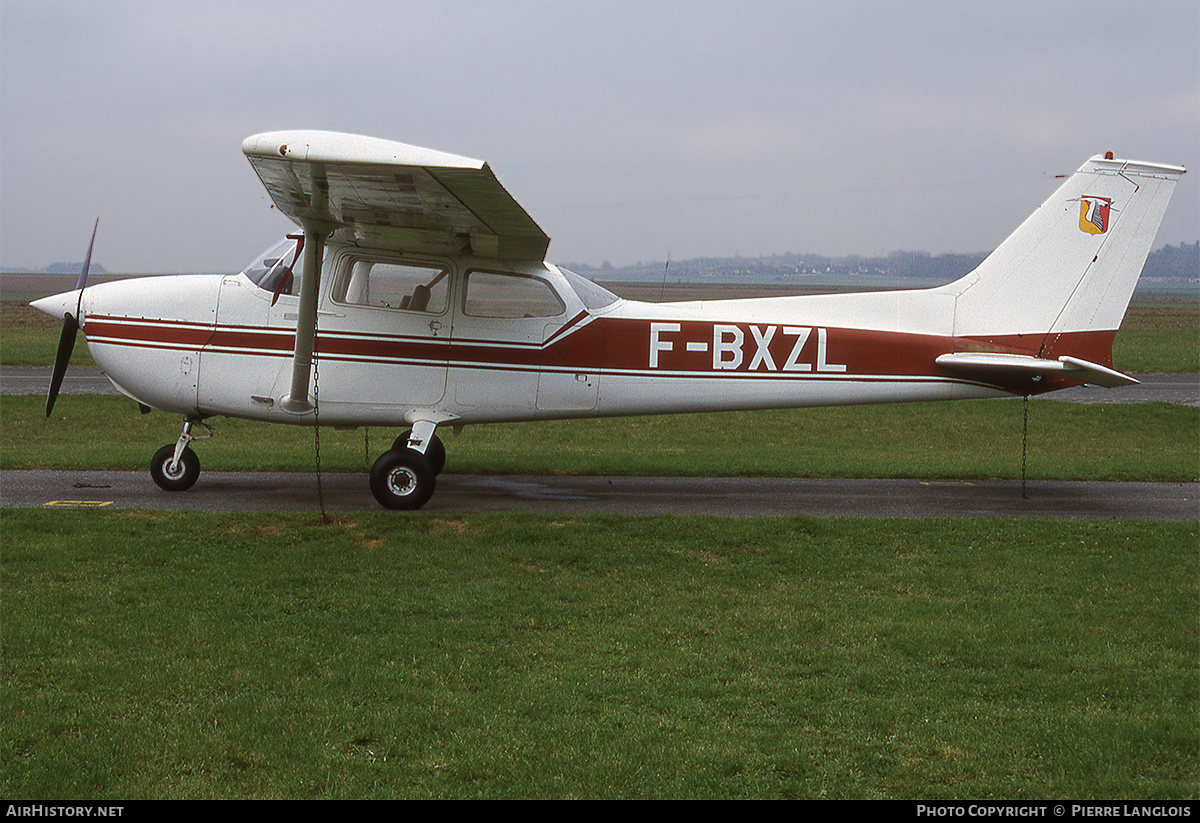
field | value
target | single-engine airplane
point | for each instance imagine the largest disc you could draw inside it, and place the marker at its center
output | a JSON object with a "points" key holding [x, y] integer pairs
{"points": [[416, 295]]}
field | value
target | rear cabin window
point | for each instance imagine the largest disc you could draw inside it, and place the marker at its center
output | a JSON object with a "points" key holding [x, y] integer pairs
{"points": [[389, 285], [492, 294]]}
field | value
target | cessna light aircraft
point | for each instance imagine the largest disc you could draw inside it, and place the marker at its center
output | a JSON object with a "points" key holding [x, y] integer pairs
{"points": [[415, 294]]}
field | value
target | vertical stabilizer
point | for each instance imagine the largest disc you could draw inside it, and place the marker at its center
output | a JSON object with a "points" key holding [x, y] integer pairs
{"points": [[1072, 266]]}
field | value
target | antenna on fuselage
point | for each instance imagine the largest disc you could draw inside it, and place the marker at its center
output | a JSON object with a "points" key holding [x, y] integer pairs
{"points": [[662, 290]]}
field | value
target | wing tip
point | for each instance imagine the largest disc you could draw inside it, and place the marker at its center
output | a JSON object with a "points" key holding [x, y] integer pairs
{"points": [[307, 145]]}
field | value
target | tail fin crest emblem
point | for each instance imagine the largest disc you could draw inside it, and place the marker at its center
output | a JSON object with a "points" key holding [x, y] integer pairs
{"points": [[1094, 213]]}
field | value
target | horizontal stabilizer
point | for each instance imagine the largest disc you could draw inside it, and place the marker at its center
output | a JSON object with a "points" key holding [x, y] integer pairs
{"points": [[1072, 368]]}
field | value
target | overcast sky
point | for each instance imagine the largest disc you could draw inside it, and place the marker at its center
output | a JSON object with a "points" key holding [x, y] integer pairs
{"points": [[629, 129]]}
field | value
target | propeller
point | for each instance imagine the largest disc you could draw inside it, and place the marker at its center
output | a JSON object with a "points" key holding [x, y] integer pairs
{"points": [[66, 340]]}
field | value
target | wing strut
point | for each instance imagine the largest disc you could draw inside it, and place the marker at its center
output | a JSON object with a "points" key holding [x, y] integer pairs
{"points": [[315, 233]]}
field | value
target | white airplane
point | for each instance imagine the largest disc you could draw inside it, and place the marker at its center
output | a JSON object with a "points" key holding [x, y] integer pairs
{"points": [[416, 295]]}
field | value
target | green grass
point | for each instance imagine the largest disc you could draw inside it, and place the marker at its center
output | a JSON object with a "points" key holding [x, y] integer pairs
{"points": [[499, 656], [1159, 335], [975, 439]]}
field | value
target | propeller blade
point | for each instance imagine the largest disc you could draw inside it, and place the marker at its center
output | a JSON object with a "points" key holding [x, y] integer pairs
{"points": [[66, 345], [66, 340], [87, 264]]}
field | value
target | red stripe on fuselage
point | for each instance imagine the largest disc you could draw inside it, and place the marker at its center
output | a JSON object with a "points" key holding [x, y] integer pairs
{"points": [[651, 348]]}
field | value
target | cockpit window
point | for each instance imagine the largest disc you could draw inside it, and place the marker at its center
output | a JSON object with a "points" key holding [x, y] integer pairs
{"points": [[593, 296], [277, 269]]}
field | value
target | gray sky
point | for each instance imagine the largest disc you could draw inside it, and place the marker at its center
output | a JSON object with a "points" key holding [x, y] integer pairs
{"points": [[629, 130]]}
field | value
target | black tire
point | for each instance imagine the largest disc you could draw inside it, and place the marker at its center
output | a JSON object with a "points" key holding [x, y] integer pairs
{"points": [[402, 479], [185, 474], [435, 453]]}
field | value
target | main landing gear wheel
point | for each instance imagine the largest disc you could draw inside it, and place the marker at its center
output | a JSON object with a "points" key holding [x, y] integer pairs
{"points": [[435, 453], [402, 479], [180, 478]]}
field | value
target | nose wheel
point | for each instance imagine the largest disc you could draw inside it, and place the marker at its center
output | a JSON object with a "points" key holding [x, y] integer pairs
{"points": [[176, 467], [174, 475]]}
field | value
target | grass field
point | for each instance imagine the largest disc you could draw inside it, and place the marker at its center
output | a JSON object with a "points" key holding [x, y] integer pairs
{"points": [[266, 656], [1159, 336]]}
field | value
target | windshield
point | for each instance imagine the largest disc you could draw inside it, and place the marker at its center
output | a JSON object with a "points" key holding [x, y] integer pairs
{"points": [[594, 297], [272, 269]]}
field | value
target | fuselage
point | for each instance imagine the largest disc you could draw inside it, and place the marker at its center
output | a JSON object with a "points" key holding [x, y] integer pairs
{"points": [[476, 342]]}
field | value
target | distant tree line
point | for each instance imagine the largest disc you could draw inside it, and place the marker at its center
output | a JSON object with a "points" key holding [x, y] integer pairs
{"points": [[59, 268], [1180, 262], [1167, 263], [1174, 262]]}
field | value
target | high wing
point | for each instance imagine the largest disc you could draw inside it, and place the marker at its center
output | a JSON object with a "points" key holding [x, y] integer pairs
{"points": [[385, 194]]}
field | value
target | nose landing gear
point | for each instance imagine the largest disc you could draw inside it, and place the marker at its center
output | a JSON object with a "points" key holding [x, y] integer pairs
{"points": [[175, 467]]}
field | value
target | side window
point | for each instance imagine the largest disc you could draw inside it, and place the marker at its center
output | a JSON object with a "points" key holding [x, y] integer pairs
{"points": [[278, 268], [490, 294], [393, 286]]}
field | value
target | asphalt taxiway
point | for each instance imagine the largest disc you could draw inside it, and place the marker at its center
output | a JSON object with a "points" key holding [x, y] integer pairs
{"points": [[304, 492]]}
